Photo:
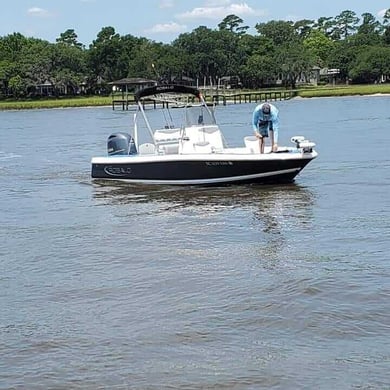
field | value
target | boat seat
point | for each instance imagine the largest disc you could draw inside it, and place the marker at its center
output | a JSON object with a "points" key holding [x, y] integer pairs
{"points": [[202, 147], [212, 134], [168, 149], [147, 148], [167, 135]]}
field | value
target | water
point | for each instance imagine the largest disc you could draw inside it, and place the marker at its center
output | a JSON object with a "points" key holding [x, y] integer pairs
{"points": [[108, 286]]}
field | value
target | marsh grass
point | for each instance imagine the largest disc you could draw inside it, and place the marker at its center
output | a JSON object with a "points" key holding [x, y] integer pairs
{"points": [[95, 101], [344, 90]]}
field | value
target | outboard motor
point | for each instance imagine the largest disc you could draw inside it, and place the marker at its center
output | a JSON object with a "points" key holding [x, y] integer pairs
{"points": [[121, 144]]}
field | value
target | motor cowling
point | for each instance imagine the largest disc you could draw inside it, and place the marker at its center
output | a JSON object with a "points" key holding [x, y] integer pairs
{"points": [[121, 144]]}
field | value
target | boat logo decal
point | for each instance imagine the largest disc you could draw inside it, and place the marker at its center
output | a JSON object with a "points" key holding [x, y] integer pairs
{"points": [[117, 171]]}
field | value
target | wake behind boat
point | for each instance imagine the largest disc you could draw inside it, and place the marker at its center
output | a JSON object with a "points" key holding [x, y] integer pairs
{"points": [[193, 152]]}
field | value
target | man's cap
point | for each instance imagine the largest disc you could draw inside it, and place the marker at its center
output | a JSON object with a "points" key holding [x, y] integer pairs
{"points": [[266, 108]]}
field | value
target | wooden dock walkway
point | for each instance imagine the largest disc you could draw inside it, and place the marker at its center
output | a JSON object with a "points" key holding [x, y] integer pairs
{"points": [[251, 97], [219, 98]]}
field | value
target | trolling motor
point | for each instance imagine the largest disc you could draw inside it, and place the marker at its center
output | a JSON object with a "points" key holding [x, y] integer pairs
{"points": [[302, 143]]}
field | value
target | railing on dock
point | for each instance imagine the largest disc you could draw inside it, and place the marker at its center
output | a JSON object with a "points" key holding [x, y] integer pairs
{"points": [[216, 98], [250, 97]]}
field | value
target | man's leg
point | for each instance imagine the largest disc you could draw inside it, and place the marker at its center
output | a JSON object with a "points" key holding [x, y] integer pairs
{"points": [[261, 143]]}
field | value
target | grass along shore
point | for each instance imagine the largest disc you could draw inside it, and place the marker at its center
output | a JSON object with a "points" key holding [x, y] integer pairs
{"points": [[96, 101]]}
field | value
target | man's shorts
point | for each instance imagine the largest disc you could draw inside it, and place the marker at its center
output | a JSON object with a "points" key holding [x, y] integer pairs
{"points": [[263, 131]]}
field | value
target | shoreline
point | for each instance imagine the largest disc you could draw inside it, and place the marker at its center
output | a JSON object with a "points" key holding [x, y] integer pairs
{"points": [[94, 102], [379, 94]]}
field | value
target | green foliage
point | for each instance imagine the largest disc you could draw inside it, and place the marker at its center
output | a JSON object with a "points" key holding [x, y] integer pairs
{"points": [[280, 52], [278, 31], [233, 23], [69, 38], [371, 64], [17, 86], [303, 27], [258, 71], [325, 25], [345, 24], [320, 46], [294, 60]]}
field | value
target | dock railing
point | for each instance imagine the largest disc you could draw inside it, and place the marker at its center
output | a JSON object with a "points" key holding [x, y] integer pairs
{"points": [[251, 97], [215, 97]]}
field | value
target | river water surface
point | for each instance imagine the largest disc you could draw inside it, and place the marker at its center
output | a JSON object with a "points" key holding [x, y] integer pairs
{"points": [[112, 286]]}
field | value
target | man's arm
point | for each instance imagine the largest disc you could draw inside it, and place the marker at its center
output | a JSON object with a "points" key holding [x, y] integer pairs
{"points": [[255, 120], [275, 127]]}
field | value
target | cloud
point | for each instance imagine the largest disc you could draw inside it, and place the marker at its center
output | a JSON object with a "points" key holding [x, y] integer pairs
{"points": [[218, 3], [171, 27], [220, 11], [166, 4], [38, 12], [382, 12]]}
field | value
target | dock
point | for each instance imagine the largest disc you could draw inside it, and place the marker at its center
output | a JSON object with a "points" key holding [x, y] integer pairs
{"points": [[127, 101], [253, 97]]}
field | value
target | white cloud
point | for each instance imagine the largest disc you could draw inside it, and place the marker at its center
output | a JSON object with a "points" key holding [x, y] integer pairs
{"points": [[38, 12], [166, 4], [171, 27], [382, 12], [219, 12], [218, 3]]}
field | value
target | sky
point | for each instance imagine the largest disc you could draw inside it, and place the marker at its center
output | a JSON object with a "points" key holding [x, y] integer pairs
{"points": [[161, 20]]}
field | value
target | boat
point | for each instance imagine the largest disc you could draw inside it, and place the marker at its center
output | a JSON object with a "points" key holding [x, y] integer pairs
{"points": [[193, 151]]}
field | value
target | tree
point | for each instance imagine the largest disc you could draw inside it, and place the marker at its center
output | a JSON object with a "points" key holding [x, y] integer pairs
{"points": [[141, 63], [17, 85], [281, 50], [170, 63], [303, 27], [371, 64], [69, 38], [369, 26], [7, 70], [232, 23], [211, 53], [103, 58], [69, 67], [345, 24], [341, 57], [386, 26], [294, 61], [259, 71], [279, 31], [12, 45], [320, 46], [386, 18], [325, 25]]}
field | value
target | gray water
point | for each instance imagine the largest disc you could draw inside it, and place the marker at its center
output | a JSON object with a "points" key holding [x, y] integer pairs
{"points": [[109, 286]]}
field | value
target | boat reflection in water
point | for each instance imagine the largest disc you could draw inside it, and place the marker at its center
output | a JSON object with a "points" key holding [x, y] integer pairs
{"points": [[261, 219], [296, 196], [262, 225]]}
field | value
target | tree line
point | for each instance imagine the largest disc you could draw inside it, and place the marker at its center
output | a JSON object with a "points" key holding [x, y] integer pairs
{"points": [[359, 47]]}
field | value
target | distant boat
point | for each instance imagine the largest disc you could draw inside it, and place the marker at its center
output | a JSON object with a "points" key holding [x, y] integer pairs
{"points": [[193, 152]]}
